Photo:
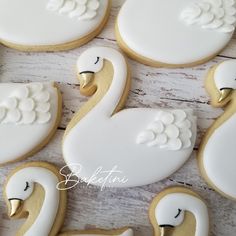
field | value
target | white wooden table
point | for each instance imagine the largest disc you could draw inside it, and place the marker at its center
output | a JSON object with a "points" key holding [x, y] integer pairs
{"points": [[114, 208]]}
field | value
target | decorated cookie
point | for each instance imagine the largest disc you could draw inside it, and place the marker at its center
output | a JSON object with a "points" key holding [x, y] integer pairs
{"points": [[51, 25], [115, 148], [216, 155], [175, 33], [179, 211], [29, 116], [31, 191]]}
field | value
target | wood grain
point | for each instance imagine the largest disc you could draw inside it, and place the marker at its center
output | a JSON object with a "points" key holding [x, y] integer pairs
{"points": [[88, 207]]}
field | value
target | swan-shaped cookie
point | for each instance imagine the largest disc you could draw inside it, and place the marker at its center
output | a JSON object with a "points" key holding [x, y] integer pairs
{"points": [[217, 151], [32, 189], [179, 211], [179, 33], [29, 116], [140, 146], [51, 25]]}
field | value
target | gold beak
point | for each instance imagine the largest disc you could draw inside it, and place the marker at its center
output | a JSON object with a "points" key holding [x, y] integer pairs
{"points": [[15, 206], [85, 78], [166, 231], [224, 93]]}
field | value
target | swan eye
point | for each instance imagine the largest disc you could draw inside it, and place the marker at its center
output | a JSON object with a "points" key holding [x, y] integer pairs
{"points": [[178, 214], [26, 186], [98, 58]]}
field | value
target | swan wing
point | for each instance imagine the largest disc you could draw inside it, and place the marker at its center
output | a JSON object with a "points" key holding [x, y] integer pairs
{"points": [[28, 104], [80, 9], [170, 130], [218, 15]]}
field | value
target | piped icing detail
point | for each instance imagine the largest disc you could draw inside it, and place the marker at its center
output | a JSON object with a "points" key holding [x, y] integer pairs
{"points": [[218, 15], [80, 9], [29, 104], [171, 130]]}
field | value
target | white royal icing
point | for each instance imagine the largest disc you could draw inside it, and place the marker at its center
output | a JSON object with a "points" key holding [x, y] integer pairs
{"points": [[170, 211], [104, 140], [162, 35], [219, 154], [80, 9], [15, 189], [219, 15], [46, 22], [28, 113]]}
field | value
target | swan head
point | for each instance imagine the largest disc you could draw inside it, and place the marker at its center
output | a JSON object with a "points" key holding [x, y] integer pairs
{"points": [[18, 189], [168, 215], [224, 76], [89, 64]]}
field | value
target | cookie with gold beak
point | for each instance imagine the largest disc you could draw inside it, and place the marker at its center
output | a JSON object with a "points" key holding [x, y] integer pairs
{"points": [[217, 151]]}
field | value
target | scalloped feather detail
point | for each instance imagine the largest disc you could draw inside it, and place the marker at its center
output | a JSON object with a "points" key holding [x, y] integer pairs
{"points": [[30, 104], [80, 9], [171, 130], [217, 15]]}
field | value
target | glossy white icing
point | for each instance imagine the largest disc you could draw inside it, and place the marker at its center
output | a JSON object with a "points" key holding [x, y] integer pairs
{"points": [[34, 25], [104, 140], [80, 9], [219, 154], [219, 15], [28, 113], [171, 130], [162, 35], [170, 211], [16, 189]]}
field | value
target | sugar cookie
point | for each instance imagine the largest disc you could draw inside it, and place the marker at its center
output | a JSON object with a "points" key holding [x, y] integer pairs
{"points": [[179, 211], [31, 192], [31, 188], [145, 145], [29, 116], [172, 34], [216, 155], [51, 25]]}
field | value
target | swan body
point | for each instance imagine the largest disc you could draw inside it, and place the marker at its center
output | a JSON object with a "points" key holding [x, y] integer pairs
{"points": [[51, 24], [216, 154], [29, 115], [156, 141], [33, 188], [169, 209], [201, 27]]}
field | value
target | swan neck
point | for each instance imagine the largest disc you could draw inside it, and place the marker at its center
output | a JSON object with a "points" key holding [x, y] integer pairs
{"points": [[44, 222]]}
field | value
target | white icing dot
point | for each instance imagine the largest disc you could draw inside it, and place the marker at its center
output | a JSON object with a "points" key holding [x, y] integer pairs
{"points": [[180, 115], [174, 144], [43, 96], [185, 141], [80, 10], [28, 117], [68, 7], [2, 113], [27, 104], [43, 118], [22, 92], [90, 14], [172, 131], [157, 127], [167, 118], [43, 107], [184, 124], [13, 116], [10, 103], [93, 4], [145, 137], [54, 5], [191, 13], [36, 87], [186, 132], [161, 139]]}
